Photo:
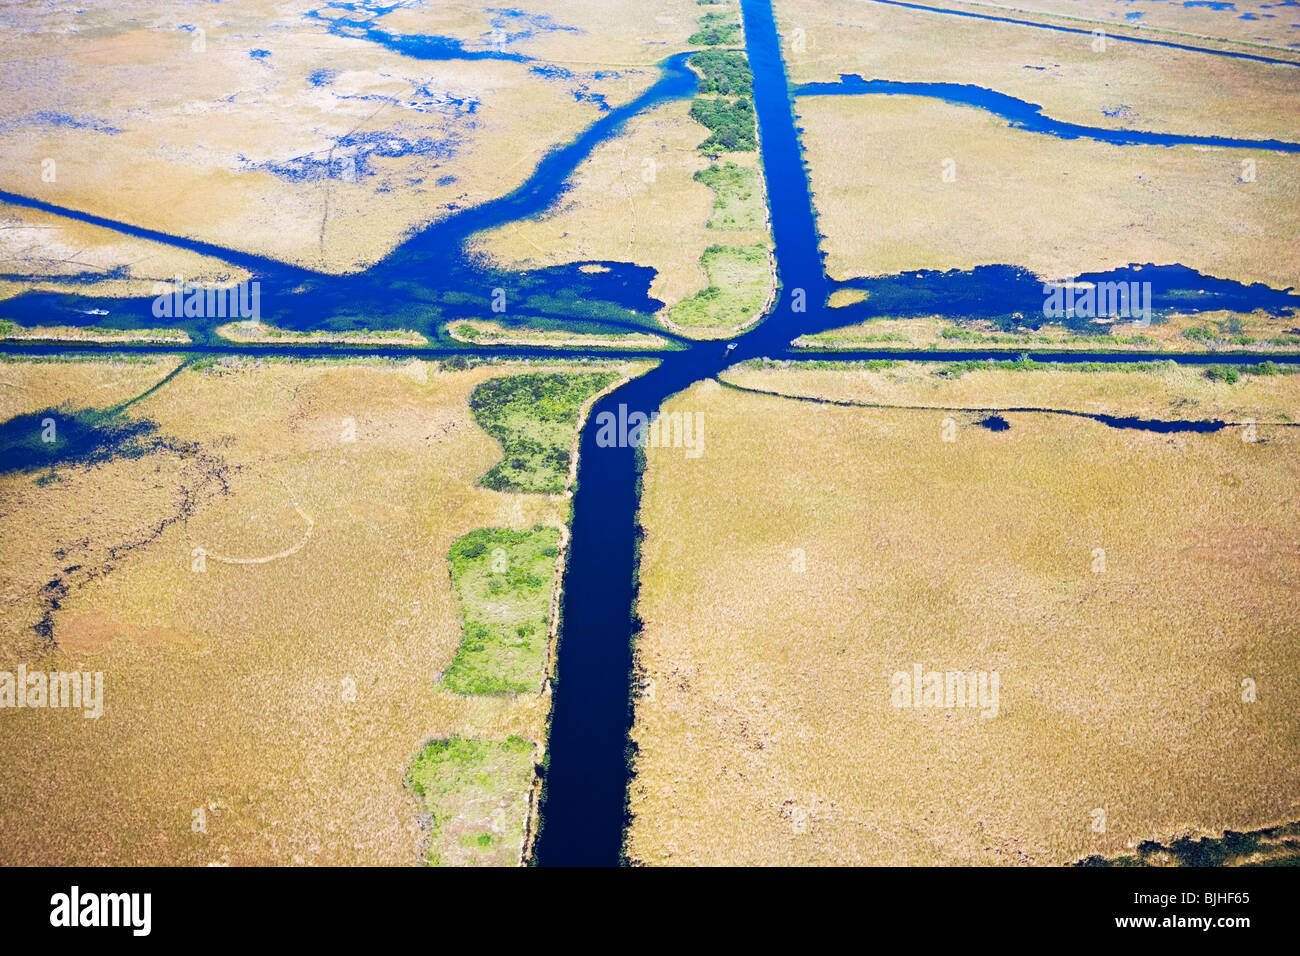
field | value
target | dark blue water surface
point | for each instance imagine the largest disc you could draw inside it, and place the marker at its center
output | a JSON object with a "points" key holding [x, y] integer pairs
{"points": [[429, 279]]}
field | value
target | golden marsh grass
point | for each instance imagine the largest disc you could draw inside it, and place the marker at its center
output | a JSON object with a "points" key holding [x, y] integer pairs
{"points": [[1056, 207], [766, 732], [281, 693]]}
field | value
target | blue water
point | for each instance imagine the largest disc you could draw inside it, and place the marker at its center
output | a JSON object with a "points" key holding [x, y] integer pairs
{"points": [[428, 280], [1028, 116], [1013, 297], [362, 23]]}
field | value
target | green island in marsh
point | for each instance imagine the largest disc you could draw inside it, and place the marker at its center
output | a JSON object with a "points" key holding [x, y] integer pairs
{"points": [[503, 581], [738, 196], [534, 416], [474, 797], [737, 291]]}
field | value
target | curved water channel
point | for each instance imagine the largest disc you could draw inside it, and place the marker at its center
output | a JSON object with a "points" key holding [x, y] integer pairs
{"points": [[429, 279]]}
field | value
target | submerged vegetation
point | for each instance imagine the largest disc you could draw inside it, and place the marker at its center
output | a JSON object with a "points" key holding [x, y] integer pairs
{"points": [[503, 581], [534, 416], [474, 794]]}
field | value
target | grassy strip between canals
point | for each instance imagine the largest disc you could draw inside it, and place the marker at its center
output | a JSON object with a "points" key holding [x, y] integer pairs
{"points": [[494, 333], [534, 416], [1203, 332], [737, 291], [503, 582], [738, 202], [254, 331], [474, 794], [89, 333]]}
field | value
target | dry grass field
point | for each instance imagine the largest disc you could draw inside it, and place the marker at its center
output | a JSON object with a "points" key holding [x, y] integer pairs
{"points": [[638, 199], [1270, 23], [1159, 390], [829, 548], [1207, 331], [633, 200], [54, 254], [297, 129], [1057, 207], [663, 194], [1126, 85], [267, 708]]}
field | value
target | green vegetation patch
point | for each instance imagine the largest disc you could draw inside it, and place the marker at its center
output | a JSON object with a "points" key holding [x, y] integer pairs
{"points": [[730, 123], [1223, 373], [737, 291], [725, 72], [1233, 373], [475, 795], [534, 416], [503, 582], [738, 197], [716, 29]]}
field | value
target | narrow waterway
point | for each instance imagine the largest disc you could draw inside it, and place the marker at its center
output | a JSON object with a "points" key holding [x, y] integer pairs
{"points": [[584, 796]]}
